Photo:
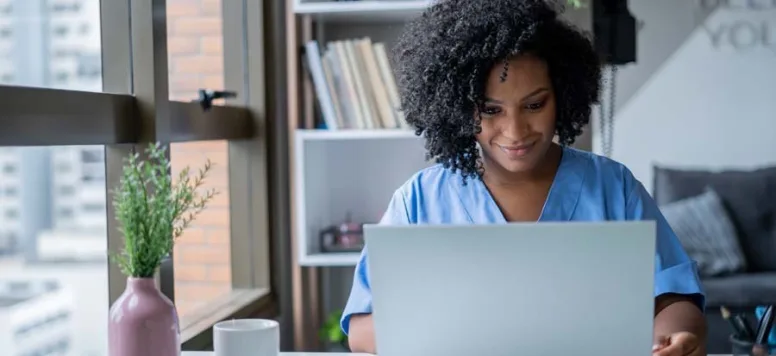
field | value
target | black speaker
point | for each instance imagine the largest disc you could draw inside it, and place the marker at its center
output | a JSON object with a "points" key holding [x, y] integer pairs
{"points": [[614, 31]]}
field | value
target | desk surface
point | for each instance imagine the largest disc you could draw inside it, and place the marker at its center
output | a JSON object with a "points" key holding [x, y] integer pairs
{"points": [[210, 353]]}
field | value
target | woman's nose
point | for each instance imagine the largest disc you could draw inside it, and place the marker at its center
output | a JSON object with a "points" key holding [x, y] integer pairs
{"points": [[516, 127]]}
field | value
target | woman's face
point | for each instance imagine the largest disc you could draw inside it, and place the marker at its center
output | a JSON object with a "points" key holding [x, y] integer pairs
{"points": [[518, 115]]}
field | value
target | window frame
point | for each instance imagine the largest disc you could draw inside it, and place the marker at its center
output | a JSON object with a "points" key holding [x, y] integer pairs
{"points": [[134, 109]]}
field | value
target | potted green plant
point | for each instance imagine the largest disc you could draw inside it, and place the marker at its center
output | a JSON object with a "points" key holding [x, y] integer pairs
{"points": [[332, 334], [152, 211]]}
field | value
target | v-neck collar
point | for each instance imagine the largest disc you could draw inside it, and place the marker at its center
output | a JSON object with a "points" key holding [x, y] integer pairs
{"points": [[559, 205]]}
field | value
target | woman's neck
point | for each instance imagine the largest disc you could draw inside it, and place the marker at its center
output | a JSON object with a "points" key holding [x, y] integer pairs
{"points": [[496, 175]]}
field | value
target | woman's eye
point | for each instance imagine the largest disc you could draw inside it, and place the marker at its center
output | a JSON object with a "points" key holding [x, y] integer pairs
{"points": [[491, 110], [535, 106]]}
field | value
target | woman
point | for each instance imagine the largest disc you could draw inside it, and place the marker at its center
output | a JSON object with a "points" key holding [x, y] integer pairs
{"points": [[490, 84]]}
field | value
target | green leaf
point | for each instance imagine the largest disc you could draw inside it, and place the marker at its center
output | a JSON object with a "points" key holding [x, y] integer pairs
{"points": [[152, 210]]}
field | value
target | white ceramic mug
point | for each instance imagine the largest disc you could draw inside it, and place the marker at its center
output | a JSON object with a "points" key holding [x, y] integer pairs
{"points": [[246, 337]]}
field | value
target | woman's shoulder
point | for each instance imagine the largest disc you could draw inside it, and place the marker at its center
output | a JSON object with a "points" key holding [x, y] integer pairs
{"points": [[430, 178], [602, 166], [601, 171]]}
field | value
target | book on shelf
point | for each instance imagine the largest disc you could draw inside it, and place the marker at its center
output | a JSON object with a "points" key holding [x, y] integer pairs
{"points": [[354, 85]]}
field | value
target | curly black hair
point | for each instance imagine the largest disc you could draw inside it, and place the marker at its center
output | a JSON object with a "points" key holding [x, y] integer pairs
{"points": [[444, 56]]}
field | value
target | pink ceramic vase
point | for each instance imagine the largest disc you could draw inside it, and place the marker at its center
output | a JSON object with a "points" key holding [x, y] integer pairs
{"points": [[143, 322]]}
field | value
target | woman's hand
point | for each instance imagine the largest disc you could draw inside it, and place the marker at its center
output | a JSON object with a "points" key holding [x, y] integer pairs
{"points": [[678, 344], [362, 334]]}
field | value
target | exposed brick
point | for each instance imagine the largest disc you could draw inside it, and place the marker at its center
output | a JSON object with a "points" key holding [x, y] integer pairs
{"points": [[202, 26], [218, 237], [183, 95], [208, 254], [182, 45], [184, 88], [219, 273], [219, 160], [199, 65], [211, 7], [189, 272], [201, 147], [212, 217], [178, 8], [220, 200], [192, 236], [215, 82], [212, 45]]}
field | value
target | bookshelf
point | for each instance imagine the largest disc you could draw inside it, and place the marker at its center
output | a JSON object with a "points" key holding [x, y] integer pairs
{"points": [[351, 147], [352, 169]]}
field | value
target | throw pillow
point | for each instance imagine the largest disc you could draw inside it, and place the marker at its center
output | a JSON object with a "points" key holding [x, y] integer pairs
{"points": [[706, 232]]}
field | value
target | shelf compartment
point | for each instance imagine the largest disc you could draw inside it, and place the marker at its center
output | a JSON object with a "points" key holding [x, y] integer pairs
{"points": [[348, 172]]}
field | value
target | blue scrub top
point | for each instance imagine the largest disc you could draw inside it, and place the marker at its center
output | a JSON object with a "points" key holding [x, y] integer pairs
{"points": [[587, 187]]}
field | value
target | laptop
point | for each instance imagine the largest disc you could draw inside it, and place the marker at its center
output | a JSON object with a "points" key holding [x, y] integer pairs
{"points": [[513, 289]]}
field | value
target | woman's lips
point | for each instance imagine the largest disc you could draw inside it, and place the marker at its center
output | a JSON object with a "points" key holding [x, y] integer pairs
{"points": [[517, 151]]}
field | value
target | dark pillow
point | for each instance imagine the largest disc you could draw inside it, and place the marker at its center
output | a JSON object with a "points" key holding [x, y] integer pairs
{"points": [[748, 196], [706, 233]]}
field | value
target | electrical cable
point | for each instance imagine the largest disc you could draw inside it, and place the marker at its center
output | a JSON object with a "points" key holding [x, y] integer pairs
{"points": [[606, 119]]}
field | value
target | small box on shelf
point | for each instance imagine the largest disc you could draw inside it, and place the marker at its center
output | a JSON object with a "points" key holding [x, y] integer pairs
{"points": [[347, 176]]}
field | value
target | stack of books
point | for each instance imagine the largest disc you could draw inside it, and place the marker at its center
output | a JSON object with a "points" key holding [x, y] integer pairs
{"points": [[355, 85]]}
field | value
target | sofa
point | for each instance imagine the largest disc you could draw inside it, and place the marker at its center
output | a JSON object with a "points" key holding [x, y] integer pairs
{"points": [[749, 199]]}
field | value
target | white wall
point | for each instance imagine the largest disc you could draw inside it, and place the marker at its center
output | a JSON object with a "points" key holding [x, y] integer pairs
{"points": [[705, 106]]}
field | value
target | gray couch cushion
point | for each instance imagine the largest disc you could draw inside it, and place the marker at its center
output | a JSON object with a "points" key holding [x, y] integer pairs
{"points": [[749, 197], [706, 233], [741, 290]]}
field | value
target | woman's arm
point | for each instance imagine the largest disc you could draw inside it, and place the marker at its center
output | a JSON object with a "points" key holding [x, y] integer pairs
{"points": [[362, 334], [679, 298], [356, 319], [676, 313]]}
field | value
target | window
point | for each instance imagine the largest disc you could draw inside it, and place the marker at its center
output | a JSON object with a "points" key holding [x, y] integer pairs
{"points": [[65, 213], [66, 191], [45, 268], [9, 169], [11, 192], [195, 52], [60, 31], [92, 156], [203, 261], [93, 208], [86, 96], [39, 36], [11, 214]]}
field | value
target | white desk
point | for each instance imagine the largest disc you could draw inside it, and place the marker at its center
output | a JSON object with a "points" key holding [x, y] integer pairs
{"points": [[210, 353]]}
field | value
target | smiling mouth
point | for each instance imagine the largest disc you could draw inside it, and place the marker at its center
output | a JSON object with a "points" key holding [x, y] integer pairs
{"points": [[517, 151]]}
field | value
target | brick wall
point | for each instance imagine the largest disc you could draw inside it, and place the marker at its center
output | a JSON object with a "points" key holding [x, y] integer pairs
{"points": [[195, 46]]}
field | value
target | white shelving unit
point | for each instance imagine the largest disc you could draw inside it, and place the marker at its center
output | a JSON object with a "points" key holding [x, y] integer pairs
{"points": [[359, 11], [348, 172]]}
